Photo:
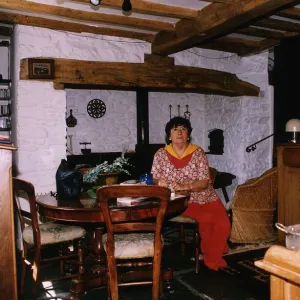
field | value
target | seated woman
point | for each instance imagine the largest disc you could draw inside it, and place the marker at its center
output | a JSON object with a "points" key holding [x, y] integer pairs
{"points": [[183, 166]]}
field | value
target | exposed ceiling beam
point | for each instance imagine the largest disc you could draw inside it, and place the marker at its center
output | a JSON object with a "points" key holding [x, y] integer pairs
{"points": [[213, 21], [242, 47], [72, 27], [74, 14], [218, 1], [265, 33], [292, 13], [151, 8], [278, 25], [147, 75]]}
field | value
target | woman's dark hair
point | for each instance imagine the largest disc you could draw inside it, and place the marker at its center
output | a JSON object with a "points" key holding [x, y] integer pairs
{"points": [[177, 121]]}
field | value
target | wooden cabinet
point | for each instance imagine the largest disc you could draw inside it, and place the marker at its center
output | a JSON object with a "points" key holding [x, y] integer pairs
{"points": [[288, 164], [284, 267], [8, 282]]}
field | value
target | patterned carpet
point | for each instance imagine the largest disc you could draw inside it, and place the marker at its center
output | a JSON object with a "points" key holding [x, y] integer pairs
{"points": [[241, 280]]}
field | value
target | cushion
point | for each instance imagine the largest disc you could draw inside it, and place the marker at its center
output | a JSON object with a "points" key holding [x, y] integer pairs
{"points": [[183, 219], [132, 245], [52, 233]]}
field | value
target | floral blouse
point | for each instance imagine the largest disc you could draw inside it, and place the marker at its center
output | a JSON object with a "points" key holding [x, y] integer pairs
{"points": [[196, 169]]}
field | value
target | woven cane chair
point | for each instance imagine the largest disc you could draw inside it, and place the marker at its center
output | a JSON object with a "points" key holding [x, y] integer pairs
{"points": [[253, 209], [183, 222], [133, 245], [37, 236]]}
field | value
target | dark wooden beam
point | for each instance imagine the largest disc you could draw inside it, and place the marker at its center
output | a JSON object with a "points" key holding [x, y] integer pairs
{"points": [[291, 13], [76, 15], [265, 33], [215, 20], [11, 18], [242, 47], [147, 75], [150, 8], [278, 25]]}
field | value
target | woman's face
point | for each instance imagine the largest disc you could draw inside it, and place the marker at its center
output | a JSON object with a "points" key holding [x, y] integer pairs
{"points": [[179, 135]]}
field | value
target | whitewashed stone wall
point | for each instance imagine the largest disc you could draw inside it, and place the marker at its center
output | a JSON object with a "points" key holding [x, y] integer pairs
{"points": [[40, 110], [115, 131]]}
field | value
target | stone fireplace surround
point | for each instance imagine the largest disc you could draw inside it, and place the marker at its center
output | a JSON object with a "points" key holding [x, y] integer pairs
{"points": [[39, 111]]}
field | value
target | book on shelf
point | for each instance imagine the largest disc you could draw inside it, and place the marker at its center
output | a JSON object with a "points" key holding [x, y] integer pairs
{"points": [[5, 141], [5, 137]]}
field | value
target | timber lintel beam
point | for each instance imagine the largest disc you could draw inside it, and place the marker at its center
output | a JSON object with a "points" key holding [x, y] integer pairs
{"points": [[149, 75], [242, 47], [215, 20]]}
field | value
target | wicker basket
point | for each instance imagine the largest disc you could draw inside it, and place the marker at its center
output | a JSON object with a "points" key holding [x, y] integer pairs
{"points": [[253, 210]]}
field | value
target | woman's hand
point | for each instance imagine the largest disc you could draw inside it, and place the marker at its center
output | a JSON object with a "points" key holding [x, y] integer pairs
{"points": [[181, 187], [163, 182]]}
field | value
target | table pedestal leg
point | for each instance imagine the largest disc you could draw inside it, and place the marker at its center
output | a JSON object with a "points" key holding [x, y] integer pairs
{"points": [[95, 271]]}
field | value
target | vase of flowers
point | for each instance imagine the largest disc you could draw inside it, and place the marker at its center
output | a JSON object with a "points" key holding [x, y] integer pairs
{"points": [[107, 174]]}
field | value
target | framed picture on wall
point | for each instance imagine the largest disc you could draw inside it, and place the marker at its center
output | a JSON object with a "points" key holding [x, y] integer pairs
{"points": [[40, 68]]}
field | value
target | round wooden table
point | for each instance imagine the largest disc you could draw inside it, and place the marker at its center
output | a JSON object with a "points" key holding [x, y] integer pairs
{"points": [[87, 212]]}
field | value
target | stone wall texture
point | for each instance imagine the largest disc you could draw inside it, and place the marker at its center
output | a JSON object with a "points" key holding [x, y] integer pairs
{"points": [[40, 111]]}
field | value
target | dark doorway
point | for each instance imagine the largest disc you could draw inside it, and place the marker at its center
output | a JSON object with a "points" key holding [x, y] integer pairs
{"points": [[286, 81]]}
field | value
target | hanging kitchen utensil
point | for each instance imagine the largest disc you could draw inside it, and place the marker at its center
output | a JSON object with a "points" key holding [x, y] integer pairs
{"points": [[170, 108], [187, 113], [96, 108], [178, 107], [71, 121]]}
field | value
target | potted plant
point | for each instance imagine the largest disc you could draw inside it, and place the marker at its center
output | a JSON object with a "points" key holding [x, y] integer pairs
{"points": [[107, 174]]}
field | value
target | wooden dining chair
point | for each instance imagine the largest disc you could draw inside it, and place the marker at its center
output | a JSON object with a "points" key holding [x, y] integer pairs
{"points": [[37, 236], [183, 222], [133, 244]]}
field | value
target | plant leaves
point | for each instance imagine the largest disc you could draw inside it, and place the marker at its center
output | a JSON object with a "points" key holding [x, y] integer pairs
{"points": [[92, 193]]}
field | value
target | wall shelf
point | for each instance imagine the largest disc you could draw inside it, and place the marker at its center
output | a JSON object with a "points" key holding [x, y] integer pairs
{"points": [[5, 98], [5, 81]]}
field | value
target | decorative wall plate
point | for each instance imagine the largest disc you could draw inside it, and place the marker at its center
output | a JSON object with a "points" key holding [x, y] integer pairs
{"points": [[96, 108]]}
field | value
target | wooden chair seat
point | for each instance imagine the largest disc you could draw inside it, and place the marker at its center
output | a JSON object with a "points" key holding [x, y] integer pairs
{"points": [[183, 219], [53, 233], [132, 245]]}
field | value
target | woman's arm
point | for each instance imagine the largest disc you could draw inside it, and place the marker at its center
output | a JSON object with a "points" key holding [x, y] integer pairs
{"points": [[194, 186], [161, 182], [204, 181], [157, 171]]}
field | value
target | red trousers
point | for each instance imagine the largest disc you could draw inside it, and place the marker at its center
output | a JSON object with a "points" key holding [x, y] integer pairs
{"points": [[214, 230]]}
